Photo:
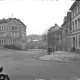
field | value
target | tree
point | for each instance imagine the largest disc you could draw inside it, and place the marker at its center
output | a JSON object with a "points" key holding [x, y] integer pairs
{"points": [[52, 37]]}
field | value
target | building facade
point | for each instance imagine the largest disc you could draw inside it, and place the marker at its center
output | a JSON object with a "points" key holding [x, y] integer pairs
{"points": [[59, 35], [13, 32], [66, 32], [75, 21], [53, 37], [68, 35]]}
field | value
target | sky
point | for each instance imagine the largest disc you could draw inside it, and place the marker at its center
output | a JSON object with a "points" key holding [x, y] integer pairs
{"points": [[37, 15]]}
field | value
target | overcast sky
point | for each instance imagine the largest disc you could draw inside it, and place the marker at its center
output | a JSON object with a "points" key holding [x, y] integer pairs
{"points": [[37, 15]]}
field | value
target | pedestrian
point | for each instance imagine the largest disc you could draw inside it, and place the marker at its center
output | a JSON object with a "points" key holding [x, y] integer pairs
{"points": [[49, 50], [3, 76]]}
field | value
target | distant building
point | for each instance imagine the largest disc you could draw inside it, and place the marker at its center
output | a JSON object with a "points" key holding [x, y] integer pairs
{"points": [[59, 35], [75, 21], [52, 37], [13, 32], [66, 32]]}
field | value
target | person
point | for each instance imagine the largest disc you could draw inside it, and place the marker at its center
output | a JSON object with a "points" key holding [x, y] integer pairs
{"points": [[49, 50], [3, 76]]}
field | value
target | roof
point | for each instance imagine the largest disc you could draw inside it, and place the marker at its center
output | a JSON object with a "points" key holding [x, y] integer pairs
{"points": [[54, 28], [10, 19], [73, 5]]}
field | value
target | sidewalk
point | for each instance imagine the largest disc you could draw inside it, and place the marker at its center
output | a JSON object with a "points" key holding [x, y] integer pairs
{"points": [[62, 56]]}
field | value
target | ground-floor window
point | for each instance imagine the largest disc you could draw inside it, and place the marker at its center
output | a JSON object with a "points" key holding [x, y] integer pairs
{"points": [[10, 41], [2, 41]]}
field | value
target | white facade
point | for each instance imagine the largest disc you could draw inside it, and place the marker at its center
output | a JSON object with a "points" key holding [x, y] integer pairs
{"points": [[76, 26]]}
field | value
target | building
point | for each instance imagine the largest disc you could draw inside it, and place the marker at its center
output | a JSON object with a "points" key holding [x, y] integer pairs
{"points": [[13, 32], [66, 32], [59, 35], [52, 37], [75, 21]]}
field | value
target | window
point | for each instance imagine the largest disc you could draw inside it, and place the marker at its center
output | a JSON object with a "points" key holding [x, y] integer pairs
{"points": [[76, 25], [78, 8], [2, 33], [14, 34], [2, 41], [14, 27], [79, 23], [75, 11], [70, 28], [73, 14], [3, 27], [73, 26], [66, 31]]}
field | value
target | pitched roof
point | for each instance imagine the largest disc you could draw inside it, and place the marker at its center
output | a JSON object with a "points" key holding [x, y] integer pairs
{"points": [[54, 28], [10, 19], [73, 5]]}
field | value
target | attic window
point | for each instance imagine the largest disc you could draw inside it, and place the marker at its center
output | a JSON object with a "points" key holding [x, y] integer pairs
{"points": [[14, 27]]}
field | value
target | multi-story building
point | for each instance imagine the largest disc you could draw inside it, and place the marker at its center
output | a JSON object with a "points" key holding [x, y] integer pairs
{"points": [[75, 21], [66, 32], [59, 35], [52, 37], [13, 32]]}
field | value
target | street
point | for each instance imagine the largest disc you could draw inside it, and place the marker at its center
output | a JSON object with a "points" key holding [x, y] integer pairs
{"points": [[25, 65]]}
